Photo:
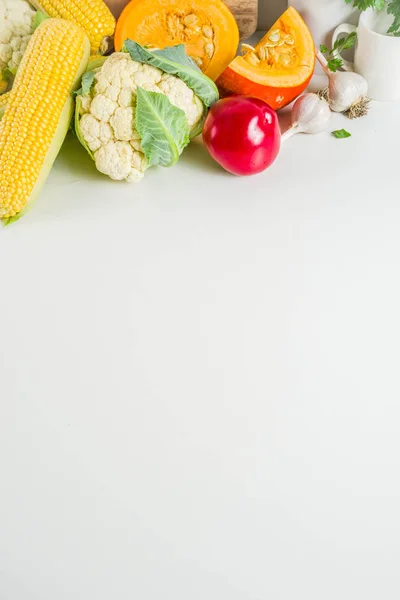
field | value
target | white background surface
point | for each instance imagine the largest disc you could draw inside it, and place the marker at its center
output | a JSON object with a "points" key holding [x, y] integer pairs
{"points": [[200, 379]]}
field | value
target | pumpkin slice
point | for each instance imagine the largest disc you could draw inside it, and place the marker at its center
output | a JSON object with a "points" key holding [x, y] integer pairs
{"points": [[279, 68], [206, 27]]}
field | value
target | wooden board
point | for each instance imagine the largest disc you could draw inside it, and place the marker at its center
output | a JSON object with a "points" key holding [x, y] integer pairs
{"points": [[245, 12]]}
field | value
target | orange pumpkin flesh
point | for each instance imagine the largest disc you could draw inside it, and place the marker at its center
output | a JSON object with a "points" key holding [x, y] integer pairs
{"points": [[279, 68], [206, 27]]}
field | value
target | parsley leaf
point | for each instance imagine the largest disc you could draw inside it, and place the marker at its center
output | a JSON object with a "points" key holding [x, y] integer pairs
{"points": [[346, 42], [334, 61], [394, 9], [334, 64], [341, 134], [364, 4]]}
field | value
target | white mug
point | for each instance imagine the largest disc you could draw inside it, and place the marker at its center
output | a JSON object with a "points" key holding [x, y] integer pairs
{"points": [[376, 56]]}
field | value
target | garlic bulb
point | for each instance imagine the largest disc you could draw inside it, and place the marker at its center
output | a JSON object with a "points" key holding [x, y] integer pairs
{"points": [[347, 91], [310, 114]]}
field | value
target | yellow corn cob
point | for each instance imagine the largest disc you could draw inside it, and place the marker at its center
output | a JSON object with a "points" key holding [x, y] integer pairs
{"points": [[39, 111], [93, 16]]}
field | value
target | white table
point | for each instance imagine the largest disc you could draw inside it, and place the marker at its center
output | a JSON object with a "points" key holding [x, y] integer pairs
{"points": [[200, 393]]}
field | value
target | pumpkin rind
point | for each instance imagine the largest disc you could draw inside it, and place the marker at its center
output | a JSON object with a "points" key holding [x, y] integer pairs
{"points": [[206, 27], [275, 81]]}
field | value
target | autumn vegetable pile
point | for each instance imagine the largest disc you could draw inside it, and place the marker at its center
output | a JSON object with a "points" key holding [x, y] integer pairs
{"points": [[138, 91]]}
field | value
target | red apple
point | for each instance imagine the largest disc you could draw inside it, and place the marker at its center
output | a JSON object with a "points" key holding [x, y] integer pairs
{"points": [[242, 134]]}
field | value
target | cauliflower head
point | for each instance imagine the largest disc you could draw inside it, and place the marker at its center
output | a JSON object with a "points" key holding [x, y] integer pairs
{"points": [[16, 28], [107, 114]]}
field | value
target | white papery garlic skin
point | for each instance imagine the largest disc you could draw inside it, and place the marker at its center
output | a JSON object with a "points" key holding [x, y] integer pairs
{"points": [[345, 90], [310, 114]]}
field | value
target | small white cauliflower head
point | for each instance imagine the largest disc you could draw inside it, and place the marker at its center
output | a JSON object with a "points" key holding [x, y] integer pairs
{"points": [[16, 28], [107, 119]]}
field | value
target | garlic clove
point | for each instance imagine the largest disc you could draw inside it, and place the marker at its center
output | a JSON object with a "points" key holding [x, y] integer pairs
{"points": [[311, 114]]}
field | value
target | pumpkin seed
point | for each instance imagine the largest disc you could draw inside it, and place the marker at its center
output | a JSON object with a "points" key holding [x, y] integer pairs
{"points": [[173, 24], [274, 36], [209, 49], [208, 32], [289, 40], [248, 48], [198, 61], [253, 59], [261, 52], [190, 20], [284, 59]]}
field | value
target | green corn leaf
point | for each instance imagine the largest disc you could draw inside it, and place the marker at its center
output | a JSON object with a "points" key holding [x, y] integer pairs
{"points": [[7, 74], [40, 16]]}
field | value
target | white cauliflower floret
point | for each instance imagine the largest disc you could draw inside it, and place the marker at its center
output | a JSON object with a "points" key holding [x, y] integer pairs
{"points": [[126, 97], [179, 94], [102, 108], [112, 92], [135, 142], [122, 123], [105, 133], [90, 128], [118, 69], [119, 161], [101, 83], [95, 132], [147, 75], [16, 28], [108, 124], [85, 102]]}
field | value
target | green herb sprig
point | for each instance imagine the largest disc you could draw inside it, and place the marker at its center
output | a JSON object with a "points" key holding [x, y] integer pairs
{"points": [[364, 4], [334, 62], [393, 8]]}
